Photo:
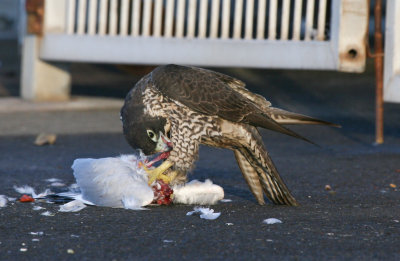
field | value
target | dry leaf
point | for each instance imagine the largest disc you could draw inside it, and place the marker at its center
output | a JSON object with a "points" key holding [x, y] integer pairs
{"points": [[44, 139], [392, 185]]}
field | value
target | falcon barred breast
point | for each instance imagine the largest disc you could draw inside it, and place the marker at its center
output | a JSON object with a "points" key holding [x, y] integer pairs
{"points": [[174, 109]]}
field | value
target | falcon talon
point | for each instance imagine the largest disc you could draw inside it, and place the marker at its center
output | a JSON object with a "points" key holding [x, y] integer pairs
{"points": [[158, 173], [174, 109]]}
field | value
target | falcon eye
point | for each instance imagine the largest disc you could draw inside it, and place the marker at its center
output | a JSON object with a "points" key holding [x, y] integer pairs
{"points": [[152, 135]]}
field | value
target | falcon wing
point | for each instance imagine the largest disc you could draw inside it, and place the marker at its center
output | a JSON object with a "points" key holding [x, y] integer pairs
{"points": [[212, 93], [278, 115]]}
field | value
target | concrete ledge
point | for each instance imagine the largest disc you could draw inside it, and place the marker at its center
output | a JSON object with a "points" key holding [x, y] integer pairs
{"points": [[9, 105]]}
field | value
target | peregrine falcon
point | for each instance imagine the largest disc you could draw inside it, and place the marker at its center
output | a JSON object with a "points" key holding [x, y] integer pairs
{"points": [[174, 109]]}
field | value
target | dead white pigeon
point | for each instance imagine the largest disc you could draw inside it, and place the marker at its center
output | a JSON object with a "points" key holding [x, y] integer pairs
{"points": [[121, 182], [113, 182]]}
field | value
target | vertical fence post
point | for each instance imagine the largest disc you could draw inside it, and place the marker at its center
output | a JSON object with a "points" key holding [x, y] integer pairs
{"points": [[378, 72], [42, 80]]}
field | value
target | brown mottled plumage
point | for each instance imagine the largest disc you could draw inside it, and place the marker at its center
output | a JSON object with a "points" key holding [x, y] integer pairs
{"points": [[195, 106]]}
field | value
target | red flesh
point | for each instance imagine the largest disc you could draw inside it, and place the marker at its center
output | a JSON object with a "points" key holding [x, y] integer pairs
{"points": [[26, 198], [162, 193]]}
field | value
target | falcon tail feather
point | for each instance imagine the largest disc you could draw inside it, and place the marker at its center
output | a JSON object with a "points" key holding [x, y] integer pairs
{"points": [[264, 121], [269, 180], [287, 117], [251, 177]]}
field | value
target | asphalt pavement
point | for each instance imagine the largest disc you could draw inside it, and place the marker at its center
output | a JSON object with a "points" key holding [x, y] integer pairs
{"points": [[357, 219]]}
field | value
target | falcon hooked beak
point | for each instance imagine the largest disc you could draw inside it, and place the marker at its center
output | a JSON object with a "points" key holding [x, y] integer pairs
{"points": [[164, 146]]}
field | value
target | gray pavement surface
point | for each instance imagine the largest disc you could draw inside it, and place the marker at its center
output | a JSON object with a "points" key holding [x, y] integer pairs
{"points": [[359, 219]]}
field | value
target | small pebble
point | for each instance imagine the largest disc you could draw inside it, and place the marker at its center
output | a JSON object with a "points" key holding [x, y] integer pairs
{"points": [[328, 187]]}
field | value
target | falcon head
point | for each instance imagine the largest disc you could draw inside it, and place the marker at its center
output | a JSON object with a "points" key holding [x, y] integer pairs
{"points": [[149, 134]]}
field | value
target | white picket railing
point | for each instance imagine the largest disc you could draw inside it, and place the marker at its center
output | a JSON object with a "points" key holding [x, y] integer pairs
{"points": [[297, 34], [170, 18], [247, 33]]}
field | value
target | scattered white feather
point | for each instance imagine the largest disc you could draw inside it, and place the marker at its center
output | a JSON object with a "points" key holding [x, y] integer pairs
{"points": [[30, 191], [113, 182], [205, 213], [11, 199], [35, 240], [37, 208], [3, 201], [43, 194], [48, 214], [25, 190], [39, 233], [225, 200], [271, 221], [52, 180], [198, 193], [76, 195], [73, 206], [74, 187], [229, 224], [57, 184], [168, 241]]}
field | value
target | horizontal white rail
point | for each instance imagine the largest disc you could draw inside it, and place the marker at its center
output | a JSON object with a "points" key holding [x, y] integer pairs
{"points": [[153, 50]]}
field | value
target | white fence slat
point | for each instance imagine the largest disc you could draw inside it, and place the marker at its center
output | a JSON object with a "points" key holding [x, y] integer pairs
{"points": [[249, 19], [103, 17], [113, 13], [169, 16], [92, 17], [237, 26], [191, 18], [146, 18], [55, 20], [309, 19], [321, 20], [262, 6], [124, 16], [273, 10], [226, 15], [135, 22], [298, 6], [180, 20], [81, 16], [214, 18], [285, 19], [70, 16], [157, 17], [203, 18]]}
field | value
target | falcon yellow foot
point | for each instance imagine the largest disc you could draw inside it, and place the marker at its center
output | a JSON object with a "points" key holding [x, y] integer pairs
{"points": [[158, 173]]}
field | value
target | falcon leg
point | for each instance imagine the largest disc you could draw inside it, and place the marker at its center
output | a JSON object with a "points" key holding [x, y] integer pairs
{"points": [[158, 173]]}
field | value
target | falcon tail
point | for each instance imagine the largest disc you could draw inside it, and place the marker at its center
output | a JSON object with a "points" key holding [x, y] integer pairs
{"points": [[287, 117], [261, 174]]}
